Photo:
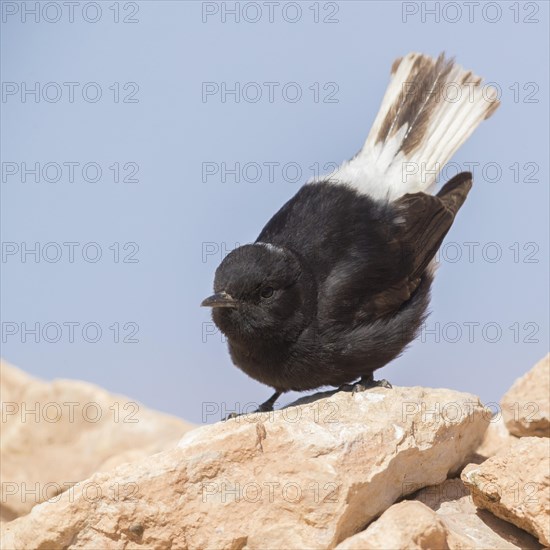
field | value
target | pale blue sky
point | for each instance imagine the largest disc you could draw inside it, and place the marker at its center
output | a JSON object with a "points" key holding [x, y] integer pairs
{"points": [[177, 217]]}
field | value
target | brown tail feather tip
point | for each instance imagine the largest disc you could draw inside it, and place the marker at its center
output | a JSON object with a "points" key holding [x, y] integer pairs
{"points": [[421, 96]]}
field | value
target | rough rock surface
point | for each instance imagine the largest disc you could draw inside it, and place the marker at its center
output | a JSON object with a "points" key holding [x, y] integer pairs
{"points": [[468, 527], [515, 485], [497, 437], [526, 405], [441, 516], [408, 525], [57, 433], [307, 476]]}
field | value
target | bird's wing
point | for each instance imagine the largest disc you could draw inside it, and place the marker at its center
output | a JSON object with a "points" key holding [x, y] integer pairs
{"points": [[428, 218], [361, 292]]}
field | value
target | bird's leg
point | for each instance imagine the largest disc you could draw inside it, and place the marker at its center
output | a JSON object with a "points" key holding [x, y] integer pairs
{"points": [[264, 407], [367, 382], [268, 405]]}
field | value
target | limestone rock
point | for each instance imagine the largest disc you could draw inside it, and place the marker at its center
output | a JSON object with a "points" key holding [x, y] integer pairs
{"points": [[526, 405], [307, 476], [468, 527], [497, 437], [440, 516], [515, 485], [409, 525], [57, 433]]}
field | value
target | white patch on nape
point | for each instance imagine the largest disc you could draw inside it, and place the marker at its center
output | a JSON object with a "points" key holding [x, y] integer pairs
{"points": [[271, 247]]}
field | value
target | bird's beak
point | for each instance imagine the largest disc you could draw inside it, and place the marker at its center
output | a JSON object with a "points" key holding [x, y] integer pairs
{"points": [[220, 299]]}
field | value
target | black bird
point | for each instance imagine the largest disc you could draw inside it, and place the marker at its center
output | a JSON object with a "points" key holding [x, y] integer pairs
{"points": [[338, 282]]}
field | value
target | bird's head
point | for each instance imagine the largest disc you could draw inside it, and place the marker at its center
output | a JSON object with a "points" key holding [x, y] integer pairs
{"points": [[261, 295]]}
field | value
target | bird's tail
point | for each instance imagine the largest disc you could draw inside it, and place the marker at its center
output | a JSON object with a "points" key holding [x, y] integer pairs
{"points": [[429, 110]]}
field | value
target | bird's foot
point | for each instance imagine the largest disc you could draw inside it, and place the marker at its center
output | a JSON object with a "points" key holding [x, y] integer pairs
{"points": [[366, 383], [267, 406]]}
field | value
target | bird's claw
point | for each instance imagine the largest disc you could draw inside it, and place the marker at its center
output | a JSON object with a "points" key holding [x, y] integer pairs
{"points": [[267, 406], [381, 384], [262, 408], [366, 383]]}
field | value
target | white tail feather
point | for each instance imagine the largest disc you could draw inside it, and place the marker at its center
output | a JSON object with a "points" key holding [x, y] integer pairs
{"points": [[429, 110]]}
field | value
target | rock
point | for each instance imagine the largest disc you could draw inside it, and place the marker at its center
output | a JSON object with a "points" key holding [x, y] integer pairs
{"points": [[441, 516], [57, 433], [468, 527], [515, 485], [307, 476], [497, 437], [407, 525], [526, 405]]}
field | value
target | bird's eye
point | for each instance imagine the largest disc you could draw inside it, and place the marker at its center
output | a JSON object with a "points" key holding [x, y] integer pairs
{"points": [[266, 292]]}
